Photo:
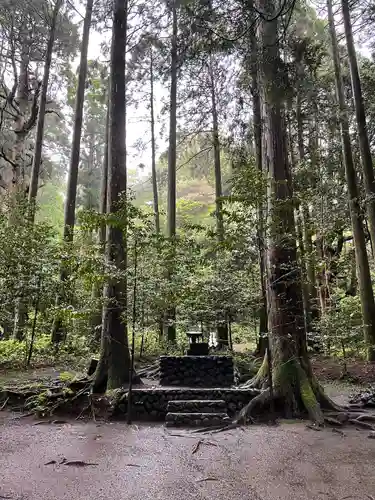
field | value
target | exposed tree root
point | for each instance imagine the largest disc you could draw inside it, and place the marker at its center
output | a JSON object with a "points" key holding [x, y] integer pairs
{"points": [[365, 418], [327, 403], [332, 421], [72, 398], [361, 424], [260, 379], [246, 414]]}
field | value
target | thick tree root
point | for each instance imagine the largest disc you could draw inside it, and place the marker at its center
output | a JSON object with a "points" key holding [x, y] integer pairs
{"points": [[73, 398], [246, 414], [327, 403], [332, 421], [260, 379]]}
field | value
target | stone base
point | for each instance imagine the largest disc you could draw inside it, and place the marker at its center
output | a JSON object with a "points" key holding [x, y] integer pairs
{"points": [[196, 419], [151, 404], [196, 371], [198, 349]]}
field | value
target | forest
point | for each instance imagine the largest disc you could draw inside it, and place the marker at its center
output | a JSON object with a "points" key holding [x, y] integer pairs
{"points": [[181, 165]]}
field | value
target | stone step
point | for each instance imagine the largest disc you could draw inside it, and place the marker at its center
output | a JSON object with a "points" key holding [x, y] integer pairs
{"points": [[197, 406], [196, 419]]}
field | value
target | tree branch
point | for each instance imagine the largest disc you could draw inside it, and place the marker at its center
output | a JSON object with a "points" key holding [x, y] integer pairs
{"points": [[29, 124], [8, 160]]}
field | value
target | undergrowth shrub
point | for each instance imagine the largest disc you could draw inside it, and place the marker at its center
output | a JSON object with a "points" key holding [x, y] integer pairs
{"points": [[76, 352]]}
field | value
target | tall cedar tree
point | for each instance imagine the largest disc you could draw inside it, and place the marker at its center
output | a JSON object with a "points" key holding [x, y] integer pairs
{"points": [[71, 190], [364, 145], [96, 318], [363, 270], [222, 325], [153, 146], [252, 61], [33, 189], [293, 387], [172, 161], [114, 360], [21, 308]]}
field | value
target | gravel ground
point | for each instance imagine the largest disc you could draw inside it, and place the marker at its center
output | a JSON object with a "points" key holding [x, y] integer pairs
{"points": [[287, 462]]}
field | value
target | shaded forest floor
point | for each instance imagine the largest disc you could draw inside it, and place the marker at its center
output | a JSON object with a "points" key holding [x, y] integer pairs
{"points": [[78, 460], [358, 372], [82, 461]]}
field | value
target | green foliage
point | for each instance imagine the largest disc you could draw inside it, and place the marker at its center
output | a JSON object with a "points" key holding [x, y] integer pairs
{"points": [[341, 328], [75, 352]]}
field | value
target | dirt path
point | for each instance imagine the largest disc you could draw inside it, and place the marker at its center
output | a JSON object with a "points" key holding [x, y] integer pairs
{"points": [[148, 463]]}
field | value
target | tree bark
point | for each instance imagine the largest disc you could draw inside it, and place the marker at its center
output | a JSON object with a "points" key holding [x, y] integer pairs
{"points": [[18, 166], [217, 160], [302, 209], [364, 145], [154, 179], [22, 98], [294, 387], [71, 190], [96, 319], [115, 357], [257, 121], [172, 163], [363, 270], [33, 189], [153, 148], [222, 325]]}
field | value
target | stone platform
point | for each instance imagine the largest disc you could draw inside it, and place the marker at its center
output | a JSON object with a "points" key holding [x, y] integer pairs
{"points": [[196, 371], [151, 403]]}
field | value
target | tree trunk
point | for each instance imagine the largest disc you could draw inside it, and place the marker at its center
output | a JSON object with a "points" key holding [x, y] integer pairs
{"points": [[115, 358], [309, 260], [153, 170], [352, 285], [217, 161], [293, 385], [18, 169], [33, 189], [257, 121], [364, 277], [297, 211], [153, 148], [301, 209], [172, 161], [96, 319], [304, 286], [71, 190], [222, 325], [104, 181], [71, 193], [22, 99], [364, 146]]}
